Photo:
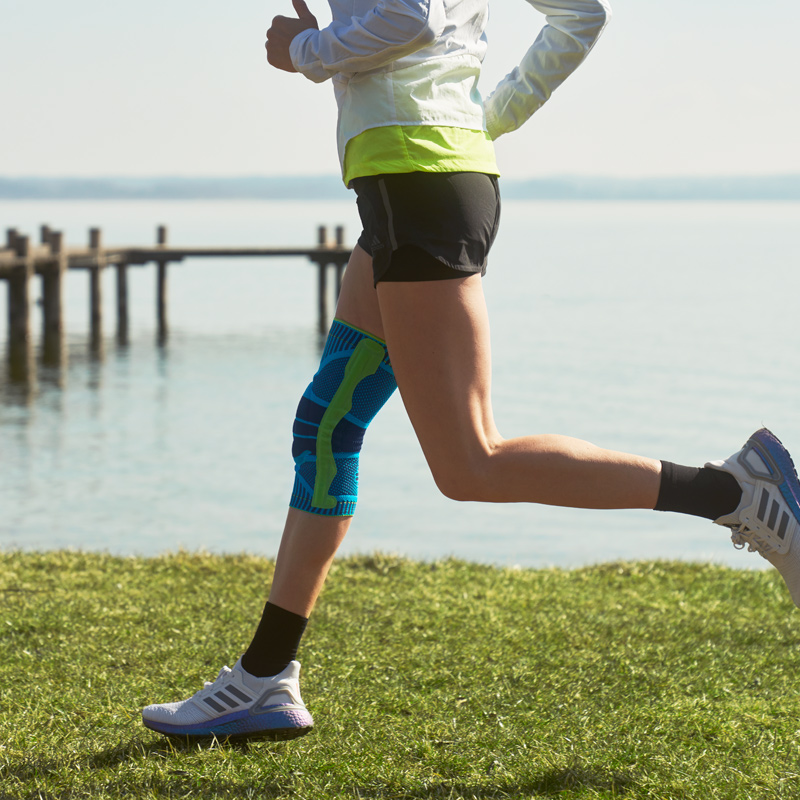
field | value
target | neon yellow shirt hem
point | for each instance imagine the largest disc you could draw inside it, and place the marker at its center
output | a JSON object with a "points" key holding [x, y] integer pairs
{"points": [[418, 148]]}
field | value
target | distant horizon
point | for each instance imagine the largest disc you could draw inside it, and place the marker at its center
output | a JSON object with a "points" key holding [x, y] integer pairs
{"points": [[335, 174], [768, 187]]}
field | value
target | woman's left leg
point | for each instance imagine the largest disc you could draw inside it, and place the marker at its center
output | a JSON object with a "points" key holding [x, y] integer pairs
{"points": [[438, 338], [437, 334]]}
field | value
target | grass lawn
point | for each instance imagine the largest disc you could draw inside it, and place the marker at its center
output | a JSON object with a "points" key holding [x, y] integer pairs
{"points": [[438, 680]]}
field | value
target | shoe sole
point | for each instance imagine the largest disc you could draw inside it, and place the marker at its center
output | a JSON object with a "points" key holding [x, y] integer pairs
{"points": [[290, 725], [281, 735]]}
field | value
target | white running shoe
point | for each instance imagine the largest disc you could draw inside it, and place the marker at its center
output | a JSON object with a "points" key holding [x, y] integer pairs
{"points": [[768, 517], [237, 705]]}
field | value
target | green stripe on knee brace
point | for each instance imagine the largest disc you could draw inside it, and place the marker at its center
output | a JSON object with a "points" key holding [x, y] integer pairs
{"points": [[353, 382], [364, 361]]}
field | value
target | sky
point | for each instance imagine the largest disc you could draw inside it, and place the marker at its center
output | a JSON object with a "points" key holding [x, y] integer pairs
{"points": [[182, 88]]}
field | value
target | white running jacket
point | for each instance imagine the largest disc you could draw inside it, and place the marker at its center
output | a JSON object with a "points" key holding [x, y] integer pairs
{"points": [[417, 62]]}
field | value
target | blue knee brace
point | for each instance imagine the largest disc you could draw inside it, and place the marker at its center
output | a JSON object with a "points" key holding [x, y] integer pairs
{"points": [[353, 382]]}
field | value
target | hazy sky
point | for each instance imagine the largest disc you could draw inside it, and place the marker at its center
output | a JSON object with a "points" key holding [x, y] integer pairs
{"points": [[182, 87]]}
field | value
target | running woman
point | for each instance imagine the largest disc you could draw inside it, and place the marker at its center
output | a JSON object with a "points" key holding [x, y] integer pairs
{"points": [[415, 143]]}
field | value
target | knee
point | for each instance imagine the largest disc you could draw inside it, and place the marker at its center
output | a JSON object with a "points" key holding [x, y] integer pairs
{"points": [[465, 478], [353, 382]]}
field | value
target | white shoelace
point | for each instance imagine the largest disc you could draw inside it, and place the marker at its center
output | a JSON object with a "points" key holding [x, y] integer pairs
{"points": [[222, 673]]}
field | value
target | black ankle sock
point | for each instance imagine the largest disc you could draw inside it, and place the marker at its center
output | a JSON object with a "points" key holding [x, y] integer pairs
{"points": [[702, 492], [275, 642]]}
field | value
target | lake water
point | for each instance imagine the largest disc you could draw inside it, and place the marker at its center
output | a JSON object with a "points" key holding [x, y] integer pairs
{"points": [[664, 329]]}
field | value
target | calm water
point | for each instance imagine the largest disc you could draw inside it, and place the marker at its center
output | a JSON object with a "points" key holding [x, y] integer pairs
{"points": [[664, 329]]}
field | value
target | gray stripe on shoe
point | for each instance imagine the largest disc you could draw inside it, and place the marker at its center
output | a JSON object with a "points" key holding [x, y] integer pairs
{"points": [[762, 507], [238, 693], [227, 700], [784, 525], [773, 515], [214, 704]]}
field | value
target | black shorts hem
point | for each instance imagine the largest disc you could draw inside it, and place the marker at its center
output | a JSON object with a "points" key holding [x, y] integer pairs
{"points": [[410, 263], [425, 226]]}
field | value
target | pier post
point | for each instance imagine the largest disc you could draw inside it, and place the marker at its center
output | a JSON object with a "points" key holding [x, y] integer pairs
{"points": [[96, 287], [20, 345], [53, 298], [161, 288], [340, 265], [322, 281], [122, 303]]}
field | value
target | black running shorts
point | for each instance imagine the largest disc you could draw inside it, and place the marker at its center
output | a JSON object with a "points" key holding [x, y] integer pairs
{"points": [[421, 226]]}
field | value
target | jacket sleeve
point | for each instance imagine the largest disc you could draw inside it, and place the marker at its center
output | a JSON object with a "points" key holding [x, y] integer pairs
{"points": [[391, 30], [573, 27]]}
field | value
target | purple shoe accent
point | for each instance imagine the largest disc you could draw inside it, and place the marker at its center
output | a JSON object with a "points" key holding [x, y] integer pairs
{"points": [[790, 485], [198, 728], [285, 724]]}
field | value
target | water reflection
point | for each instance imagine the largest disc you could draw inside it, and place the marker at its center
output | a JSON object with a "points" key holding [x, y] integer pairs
{"points": [[54, 352], [33, 374]]}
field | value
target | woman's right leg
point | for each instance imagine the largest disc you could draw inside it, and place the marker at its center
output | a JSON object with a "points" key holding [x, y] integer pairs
{"points": [[310, 541], [260, 696], [321, 510]]}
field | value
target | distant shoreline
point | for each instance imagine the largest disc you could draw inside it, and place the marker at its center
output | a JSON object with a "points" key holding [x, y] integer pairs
{"points": [[782, 188]]}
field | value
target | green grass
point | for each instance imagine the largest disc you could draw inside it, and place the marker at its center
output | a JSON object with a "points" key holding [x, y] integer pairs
{"points": [[443, 680]]}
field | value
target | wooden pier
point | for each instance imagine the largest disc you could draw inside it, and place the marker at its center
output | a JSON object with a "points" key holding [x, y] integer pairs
{"points": [[21, 260]]}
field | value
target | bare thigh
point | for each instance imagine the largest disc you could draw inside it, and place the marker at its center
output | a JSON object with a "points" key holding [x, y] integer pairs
{"points": [[437, 334], [358, 300]]}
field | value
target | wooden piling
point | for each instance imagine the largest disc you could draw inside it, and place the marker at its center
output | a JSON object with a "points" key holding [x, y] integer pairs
{"points": [[44, 234], [122, 302], [322, 281], [20, 345], [53, 352], [161, 287], [96, 288], [19, 307], [340, 265]]}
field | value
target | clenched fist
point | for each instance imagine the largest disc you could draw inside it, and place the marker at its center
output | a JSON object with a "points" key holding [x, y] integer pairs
{"points": [[283, 30]]}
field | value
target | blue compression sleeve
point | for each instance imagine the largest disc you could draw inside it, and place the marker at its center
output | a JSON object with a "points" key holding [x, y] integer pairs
{"points": [[353, 382]]}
